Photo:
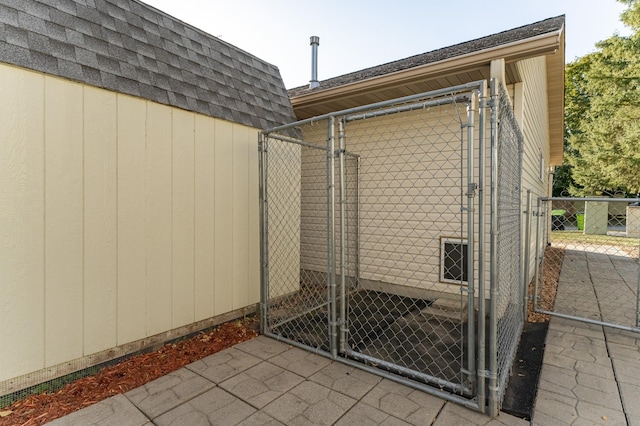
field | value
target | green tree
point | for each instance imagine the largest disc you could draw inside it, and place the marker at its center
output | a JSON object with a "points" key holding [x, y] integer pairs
{"points": [[577, 103], [602, 114]]}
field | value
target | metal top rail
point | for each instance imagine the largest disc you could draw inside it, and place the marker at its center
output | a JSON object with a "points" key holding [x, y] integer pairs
{"points": [[439, 92]]}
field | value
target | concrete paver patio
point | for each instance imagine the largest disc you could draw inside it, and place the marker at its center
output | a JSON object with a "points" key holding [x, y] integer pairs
{"points": [[265, 382], [590, 375]]}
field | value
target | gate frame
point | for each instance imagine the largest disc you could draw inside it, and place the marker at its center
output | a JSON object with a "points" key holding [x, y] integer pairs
{"points": [[540, 264], [481, 402]]}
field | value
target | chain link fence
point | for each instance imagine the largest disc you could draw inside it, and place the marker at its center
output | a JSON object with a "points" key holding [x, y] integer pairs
{"points": [[375, 248], [592, 244], [295, 291], [509, 312], [410, 313]]}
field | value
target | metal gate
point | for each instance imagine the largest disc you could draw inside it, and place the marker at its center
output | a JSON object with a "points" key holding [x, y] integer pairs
{"points": [[587, 253], [374, 246]]}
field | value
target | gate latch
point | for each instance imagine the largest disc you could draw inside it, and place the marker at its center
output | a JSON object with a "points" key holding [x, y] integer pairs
{"points": [[472, 189]]}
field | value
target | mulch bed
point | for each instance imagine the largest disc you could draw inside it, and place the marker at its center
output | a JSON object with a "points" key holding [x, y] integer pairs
{"points": [[554, 257], [126, 375]]}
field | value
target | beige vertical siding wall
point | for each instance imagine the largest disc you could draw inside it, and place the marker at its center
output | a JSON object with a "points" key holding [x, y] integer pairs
{"points": [[284, 194], [409, 255], [120, 219], [313, 210], [535, 129], [410, 177]]}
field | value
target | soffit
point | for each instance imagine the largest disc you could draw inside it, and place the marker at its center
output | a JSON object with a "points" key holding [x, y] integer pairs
{"points": [[461, 69]]}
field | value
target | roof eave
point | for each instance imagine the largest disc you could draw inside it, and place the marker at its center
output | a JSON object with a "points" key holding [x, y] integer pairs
{"points": [[543, 44], [551, 45]]}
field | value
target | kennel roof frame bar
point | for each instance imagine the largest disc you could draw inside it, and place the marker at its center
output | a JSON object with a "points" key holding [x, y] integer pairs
{"points": [[432, 94]]}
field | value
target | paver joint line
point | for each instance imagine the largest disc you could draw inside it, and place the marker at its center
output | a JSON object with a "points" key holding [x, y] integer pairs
{"points": [[438, 414], [590, 381]]}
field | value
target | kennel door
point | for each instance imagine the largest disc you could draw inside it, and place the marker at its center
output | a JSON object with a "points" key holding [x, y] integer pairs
{"points": [[294, 227], [406, 300]]}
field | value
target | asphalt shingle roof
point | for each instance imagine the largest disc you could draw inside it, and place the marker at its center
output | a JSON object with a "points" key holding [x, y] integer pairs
{"points": [[505, 37], [130, 47]]}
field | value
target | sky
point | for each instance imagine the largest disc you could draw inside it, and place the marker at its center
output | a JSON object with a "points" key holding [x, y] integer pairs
{"points": [[357, 34]]}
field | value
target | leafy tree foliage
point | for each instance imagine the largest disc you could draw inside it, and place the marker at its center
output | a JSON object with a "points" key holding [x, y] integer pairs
{"points": [[602, 114]]}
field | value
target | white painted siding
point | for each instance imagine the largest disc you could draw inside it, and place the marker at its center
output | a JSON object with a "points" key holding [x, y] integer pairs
{"points": [[535, 129], [410, 195], [120, 219], [410, 192]]}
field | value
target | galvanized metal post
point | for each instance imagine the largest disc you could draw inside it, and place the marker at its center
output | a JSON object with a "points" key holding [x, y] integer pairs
{"points": [[264, 291], [527, 254], [536, 276], [331, 237], [357, 242], [493, 318], [471, 191], [343, 218], [546, 237], [480, 367], [638, 293]]}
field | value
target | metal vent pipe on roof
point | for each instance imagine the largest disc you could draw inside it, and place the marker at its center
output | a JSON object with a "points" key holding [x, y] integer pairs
{"points": [[315, 42]]}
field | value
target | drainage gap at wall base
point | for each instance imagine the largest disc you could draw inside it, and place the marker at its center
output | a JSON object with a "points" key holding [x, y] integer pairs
{"points": [[522, 388]]}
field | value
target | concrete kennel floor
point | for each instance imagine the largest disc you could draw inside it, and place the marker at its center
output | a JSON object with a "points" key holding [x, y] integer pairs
{"points": [[396, 329]]}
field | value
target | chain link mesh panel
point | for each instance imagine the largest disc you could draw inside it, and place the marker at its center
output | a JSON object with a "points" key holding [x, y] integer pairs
{"points": [[508, 281], [388, 285], [295, 223], [409, 313], [591, 258]]}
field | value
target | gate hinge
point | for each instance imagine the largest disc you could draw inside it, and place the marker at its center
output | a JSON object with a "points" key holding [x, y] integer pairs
{"points": [[487, 374]]}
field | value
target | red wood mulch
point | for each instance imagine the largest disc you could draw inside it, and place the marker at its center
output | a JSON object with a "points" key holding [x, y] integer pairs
{"points": [[554, 257], [126, 375]]}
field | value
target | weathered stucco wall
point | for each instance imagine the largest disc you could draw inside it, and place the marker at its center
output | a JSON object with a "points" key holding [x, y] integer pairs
{"points": [[120, 218]]}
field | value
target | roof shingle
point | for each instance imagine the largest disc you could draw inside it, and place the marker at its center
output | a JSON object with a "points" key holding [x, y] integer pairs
{"points": [[130, 47]]}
